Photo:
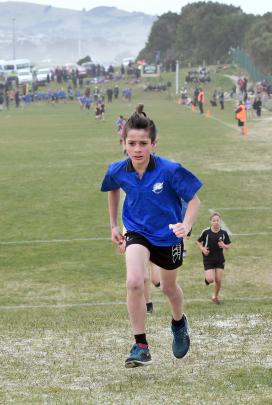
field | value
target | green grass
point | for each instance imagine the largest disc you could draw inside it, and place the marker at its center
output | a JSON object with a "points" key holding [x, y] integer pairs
{"points": [[64, 327]]}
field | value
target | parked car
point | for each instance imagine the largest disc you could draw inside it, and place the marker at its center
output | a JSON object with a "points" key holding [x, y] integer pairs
{"points": [[127, 62], [70, 67], [42, 75], [24, 76]]}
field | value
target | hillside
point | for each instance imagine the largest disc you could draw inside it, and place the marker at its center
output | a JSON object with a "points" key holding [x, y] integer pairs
{"points": [[107, 34], [208, 31]]}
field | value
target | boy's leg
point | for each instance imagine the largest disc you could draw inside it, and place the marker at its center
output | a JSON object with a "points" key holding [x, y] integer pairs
{"points": [[147, 294], [137, 257], [179, 326], [218, 279], [169, 287], [155, 274]]}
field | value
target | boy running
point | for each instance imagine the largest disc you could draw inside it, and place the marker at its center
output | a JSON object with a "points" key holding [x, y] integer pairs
{"points": [[152, 216]]}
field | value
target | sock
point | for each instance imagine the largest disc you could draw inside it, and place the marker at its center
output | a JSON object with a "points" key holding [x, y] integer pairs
{"points": [[157, 285], [141, 340], [180, 323]]}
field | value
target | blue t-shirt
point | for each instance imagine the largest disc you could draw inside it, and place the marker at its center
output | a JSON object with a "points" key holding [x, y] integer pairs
{"points": [[154, 201]]}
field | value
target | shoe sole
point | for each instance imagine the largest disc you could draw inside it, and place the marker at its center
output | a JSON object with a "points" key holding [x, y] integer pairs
{"points": [[136, 363]]}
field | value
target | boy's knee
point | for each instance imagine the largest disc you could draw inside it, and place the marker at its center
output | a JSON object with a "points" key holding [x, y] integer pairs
{"points": [[134, 285], [168, 290]]}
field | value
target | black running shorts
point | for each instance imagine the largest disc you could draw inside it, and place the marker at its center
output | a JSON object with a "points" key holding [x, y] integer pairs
{"points": [[166, 257], [214, 265]]}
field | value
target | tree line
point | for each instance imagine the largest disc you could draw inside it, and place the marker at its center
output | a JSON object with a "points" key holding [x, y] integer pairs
{"points": [[207, 31]]}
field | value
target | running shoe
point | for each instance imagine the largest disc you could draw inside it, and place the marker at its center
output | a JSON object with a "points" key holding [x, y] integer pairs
{"points": [[181, 341], [216, 300], [149, 307], [138, 357]]}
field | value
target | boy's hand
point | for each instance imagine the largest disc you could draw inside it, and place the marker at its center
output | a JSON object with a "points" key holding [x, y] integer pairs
{"points": [[116, 237], [180, 229], [122, 247]]}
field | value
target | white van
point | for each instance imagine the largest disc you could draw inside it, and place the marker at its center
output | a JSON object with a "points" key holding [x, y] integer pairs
{"points": [[24, 76], [2, 65], [14, 65]]}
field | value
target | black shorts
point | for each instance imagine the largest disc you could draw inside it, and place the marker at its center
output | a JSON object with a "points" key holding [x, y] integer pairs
{"points": [[240, 123], [214, 265], [166, 257]]}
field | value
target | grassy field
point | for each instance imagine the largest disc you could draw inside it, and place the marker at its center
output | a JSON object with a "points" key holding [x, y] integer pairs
{"points": [[63, 320]]}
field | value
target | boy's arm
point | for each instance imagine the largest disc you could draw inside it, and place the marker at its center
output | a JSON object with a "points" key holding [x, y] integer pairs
{"points": [[113, 204], [181, 229]]}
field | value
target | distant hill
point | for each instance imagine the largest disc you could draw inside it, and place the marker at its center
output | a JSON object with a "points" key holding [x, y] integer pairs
{"points": [[107, 34]]}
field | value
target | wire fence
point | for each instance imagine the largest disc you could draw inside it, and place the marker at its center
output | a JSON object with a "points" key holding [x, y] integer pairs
{"points": [[241, 58]]}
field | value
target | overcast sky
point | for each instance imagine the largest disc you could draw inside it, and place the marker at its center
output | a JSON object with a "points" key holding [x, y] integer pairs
{"points": [[156, 7]]}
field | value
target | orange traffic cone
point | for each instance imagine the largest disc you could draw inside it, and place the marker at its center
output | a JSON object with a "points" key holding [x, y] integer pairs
{"points": [[208, 114]]}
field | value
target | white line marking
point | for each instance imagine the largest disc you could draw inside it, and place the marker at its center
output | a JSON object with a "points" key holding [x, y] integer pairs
{"points": [[224, 226], [33, 242], [243, 208], [29, 242], [232, 126], [251, 234], [111, 303]]}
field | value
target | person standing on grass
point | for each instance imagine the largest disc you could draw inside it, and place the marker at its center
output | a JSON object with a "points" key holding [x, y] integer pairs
{"points": [[240, 116], [201, 100], [212, 243], [221, 99], [257, 105], [152, 217]]}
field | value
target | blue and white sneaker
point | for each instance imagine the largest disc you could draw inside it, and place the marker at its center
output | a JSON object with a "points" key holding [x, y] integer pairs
{"points": [[138, 357], [181, 341]]}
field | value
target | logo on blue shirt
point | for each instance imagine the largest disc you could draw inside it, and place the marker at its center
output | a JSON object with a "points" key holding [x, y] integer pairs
{"points": [[157, 188]]}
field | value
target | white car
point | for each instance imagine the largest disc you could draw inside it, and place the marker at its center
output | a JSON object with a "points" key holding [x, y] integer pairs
{"points": [[70, 67], [24, 76], [127, 61], [42, 74]]}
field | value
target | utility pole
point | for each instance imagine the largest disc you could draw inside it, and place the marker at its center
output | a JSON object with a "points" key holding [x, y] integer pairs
{"points": [[13, 39], [177, 77]]}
